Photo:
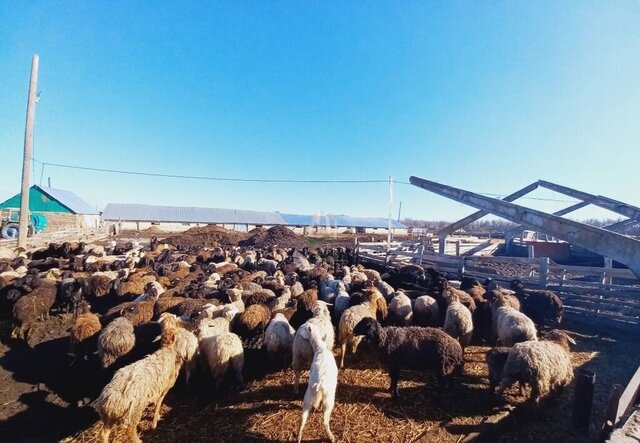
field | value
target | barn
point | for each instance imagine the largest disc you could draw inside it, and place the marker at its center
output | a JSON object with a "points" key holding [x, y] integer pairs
{"points": [[63, 209]]}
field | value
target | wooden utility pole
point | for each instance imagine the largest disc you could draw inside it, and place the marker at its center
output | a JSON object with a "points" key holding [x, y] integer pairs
{"points": [[389, 219], [23, 227]]}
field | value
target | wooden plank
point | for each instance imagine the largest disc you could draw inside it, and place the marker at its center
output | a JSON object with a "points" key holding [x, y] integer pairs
{"points": [[600, 299], [629, 395], [595, 271]]}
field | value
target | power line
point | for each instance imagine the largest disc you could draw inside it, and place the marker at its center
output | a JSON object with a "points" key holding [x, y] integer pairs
{"points": [[255, 180]]}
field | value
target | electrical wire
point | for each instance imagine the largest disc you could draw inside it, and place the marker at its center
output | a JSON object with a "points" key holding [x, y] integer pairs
{"points": [[255, 180]]}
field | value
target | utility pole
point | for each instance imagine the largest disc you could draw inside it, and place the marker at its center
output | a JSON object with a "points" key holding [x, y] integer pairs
{"points": [[389, 219], [399, 211], [23, 227]]}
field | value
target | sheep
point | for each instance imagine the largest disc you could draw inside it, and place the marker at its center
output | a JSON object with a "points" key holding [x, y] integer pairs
{"points": [[323, 380], [458, 322], [401, 313], [186, 342], [385, 289], [513, 327], [222, 351], [540, 306], [545, 365], [86, 327], [496, 358], [115, 341], [152, 289], [134, 387], [350, 318], [278, 339], [253, 320], [426, 311], [283, 299], [340, 304], [302, 351], [498, 300], [413, 347], [31, 307]]}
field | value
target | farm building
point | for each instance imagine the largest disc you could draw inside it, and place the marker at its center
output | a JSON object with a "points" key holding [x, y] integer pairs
{"points": [[135, 216], [63, 209]]}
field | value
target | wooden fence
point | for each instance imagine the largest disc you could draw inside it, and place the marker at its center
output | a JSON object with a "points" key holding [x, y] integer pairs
{"points": [[608, 297]]}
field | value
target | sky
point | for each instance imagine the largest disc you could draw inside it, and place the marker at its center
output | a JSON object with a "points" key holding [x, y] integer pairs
{"points": [[483, 96]]}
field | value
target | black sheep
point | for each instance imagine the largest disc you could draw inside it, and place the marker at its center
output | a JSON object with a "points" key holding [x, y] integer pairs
{"points": [[413, 348], [540, 306]]}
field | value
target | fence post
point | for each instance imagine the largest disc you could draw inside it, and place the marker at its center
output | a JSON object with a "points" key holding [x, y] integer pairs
{"points": [[608, 264], [356, 251], [611, 415], [457, 248], [461, 267], [531, 251], [442, 242], [583, 399], [544, 272], [421, 252]]}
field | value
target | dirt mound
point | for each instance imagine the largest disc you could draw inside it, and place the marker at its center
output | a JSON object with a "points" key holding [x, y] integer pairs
{"points": [[152, 230], [275, 236], [209, 236]]}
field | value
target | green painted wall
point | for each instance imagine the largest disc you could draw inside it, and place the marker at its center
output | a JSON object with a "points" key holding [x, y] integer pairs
{"points": [[38, 201]]}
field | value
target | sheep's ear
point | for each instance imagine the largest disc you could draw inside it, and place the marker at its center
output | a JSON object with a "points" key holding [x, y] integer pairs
{"points": [[304, 331], [571, 340]]}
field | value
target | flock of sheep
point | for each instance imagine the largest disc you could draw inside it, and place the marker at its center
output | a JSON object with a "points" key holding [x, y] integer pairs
{"points": [[150, 313]]}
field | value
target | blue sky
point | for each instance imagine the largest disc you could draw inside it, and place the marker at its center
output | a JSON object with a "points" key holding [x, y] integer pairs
{"points": [[486, 96]]}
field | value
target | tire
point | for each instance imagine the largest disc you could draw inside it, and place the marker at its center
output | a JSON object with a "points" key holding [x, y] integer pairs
{"points": [[10, 230]]}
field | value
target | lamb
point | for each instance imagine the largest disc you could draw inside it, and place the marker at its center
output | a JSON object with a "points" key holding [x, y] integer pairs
{"points": [[540, 306], [186, 342], [496, 358], [401, 313], [513, 327], [302, 351], [84, 331], [426, 311], [222, 351], [323, 380], [458, 322], [545, 365], [278, 339], [31, 307], [413, 348], [134, 387], [115, 341]]}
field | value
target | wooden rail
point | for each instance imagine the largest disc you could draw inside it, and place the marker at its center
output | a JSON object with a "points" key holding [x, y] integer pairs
{"points": [[620, 402]]}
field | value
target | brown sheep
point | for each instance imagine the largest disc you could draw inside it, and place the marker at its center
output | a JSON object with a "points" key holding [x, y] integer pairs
{"points": [[32, 307], [253, 321], [84, 331]]}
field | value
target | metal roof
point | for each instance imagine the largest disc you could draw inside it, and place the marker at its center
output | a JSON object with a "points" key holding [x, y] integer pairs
{"points": [[177, 214], [68, 199], [344, 221]]}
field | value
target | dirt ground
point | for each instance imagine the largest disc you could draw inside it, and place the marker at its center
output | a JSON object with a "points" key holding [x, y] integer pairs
{"points": [[41, 398]]}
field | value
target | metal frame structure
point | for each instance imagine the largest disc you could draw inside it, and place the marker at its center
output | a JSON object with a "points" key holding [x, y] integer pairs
{"points": [[610, 244]]}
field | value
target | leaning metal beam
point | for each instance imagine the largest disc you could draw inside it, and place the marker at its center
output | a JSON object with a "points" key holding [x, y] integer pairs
{"points": [[561, 212], [598, 200], [609, 244], [453, 227], [621, 225]]}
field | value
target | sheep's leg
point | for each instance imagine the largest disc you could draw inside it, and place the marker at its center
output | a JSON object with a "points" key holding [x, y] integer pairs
{"points": [[133, 432], [326, 417], [504, 384], [343, 350], [156, 412], [306, 407], [104, 432], [296, 382], [394, 373]]}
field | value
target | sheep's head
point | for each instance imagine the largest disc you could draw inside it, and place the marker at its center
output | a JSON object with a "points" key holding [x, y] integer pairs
{"points": [[561, 338], [516, 285], [370, 328], [13, 295], [320, 308]]}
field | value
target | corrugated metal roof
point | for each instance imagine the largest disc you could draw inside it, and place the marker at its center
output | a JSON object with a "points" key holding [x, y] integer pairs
{"points": [[340, 220], [177, 214], [68, 199]]}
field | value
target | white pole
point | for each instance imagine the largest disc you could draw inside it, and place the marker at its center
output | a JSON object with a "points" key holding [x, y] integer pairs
{"points": [[23, 226], [389, 215]]}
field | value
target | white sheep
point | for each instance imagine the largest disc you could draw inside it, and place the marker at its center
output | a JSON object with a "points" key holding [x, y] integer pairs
{"points": [[400, 309], [323, 379], [186, 342], [278, 339], [458, 322], [513, 327], [340, 304], [283, 299], [350, 318], [426, 311], [302, 350], [134, 387], [221, 349], [115, 341]]}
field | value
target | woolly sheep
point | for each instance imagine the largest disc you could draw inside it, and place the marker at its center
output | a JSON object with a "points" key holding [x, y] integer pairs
{"points": [[426, 311], [323, 380], [222, 351], [350, 318], [115, 341], [86, 327], [186, 342], [545, 365], [458, 322], [278, 339], [134, 387], [413, 348], [400, 311], [31, 307], [513, 327]]}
